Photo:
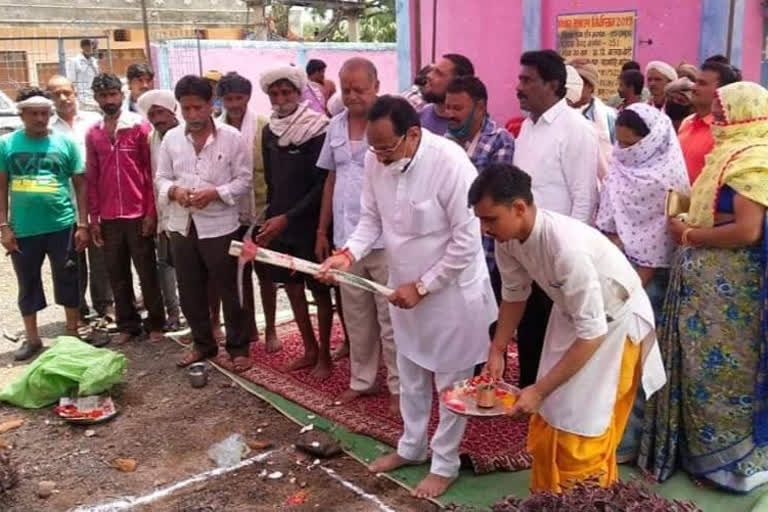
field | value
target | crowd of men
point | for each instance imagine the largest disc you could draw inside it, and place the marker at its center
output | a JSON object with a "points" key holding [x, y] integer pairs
{"points": [[375, 185]]}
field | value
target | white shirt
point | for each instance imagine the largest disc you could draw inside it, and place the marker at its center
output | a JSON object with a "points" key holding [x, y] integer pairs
{"points": [[346, 158], [77, 131], [560, 152], [81, 71], [595, 292], [221, 164], [430, 234]]}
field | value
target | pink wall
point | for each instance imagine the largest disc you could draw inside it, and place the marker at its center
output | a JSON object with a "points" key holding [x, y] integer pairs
{"points": [[752, 44], [673, 26], [490, 35], [251, 61], [385, 60]]}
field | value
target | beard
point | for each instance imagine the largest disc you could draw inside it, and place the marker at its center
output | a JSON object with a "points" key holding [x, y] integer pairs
{"points": [[111, 109], [433, 97]]}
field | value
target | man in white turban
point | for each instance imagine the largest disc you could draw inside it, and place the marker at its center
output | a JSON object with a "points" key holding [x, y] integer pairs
{"points": [[657, 75], [160, 108], [291, 146], [574, 85]]}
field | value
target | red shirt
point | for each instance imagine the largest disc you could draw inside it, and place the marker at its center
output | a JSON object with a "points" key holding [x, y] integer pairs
{"points": [[696, 141]]}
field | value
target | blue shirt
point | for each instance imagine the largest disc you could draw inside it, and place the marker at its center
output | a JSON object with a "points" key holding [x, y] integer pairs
{"points": [[347, 158]]}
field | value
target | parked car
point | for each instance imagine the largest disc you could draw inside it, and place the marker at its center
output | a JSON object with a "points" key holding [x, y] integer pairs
{"points": [[9, 117]]}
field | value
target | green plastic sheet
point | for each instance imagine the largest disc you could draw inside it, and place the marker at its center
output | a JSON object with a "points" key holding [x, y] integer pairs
{"points": [[70, 367]]}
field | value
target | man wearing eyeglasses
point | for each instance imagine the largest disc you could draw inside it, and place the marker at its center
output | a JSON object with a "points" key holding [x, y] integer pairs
{"points": [[414, 200]]}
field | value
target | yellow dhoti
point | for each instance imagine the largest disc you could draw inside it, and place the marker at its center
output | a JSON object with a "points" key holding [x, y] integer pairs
{"points": [[561, 459]]}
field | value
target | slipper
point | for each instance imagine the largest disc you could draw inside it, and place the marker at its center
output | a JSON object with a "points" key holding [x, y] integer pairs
{"points": [[241, 364], [193, 356], [28, 349]]}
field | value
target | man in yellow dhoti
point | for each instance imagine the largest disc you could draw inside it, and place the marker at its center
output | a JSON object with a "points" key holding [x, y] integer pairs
{"points": [[600, 341]]}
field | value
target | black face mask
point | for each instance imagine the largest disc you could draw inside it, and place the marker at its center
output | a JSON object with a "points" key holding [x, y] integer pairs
{"points": [[676, 111]]}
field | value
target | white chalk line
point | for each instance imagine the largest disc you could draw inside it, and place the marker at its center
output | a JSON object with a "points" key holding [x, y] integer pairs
{"points": [[355, 489], [128, 502]]}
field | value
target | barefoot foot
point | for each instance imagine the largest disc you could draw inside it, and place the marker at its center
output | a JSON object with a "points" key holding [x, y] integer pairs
{"points": [[432, 486], [305, 362], [352, 394], [272, 342], [390, 462], [323, 368]]}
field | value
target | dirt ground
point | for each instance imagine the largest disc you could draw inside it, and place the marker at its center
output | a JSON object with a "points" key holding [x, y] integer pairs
{"points": [[167, 427]]}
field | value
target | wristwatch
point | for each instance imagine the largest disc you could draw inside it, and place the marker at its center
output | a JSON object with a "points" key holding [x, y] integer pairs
{"points": [[421, 289]]}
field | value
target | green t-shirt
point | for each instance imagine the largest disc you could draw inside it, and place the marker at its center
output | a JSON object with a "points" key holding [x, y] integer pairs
{"points": [[39, 172]]}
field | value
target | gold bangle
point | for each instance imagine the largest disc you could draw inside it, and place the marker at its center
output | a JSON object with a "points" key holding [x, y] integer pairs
{"points": [[684, 238]]}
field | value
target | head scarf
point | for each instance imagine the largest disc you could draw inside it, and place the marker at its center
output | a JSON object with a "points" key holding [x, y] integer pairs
{"points": [[633, 194], [740, 156], [589, 73], [573, 84], [681, 85], [663, 68], [289, 72], [34, 102], [299, 127], [685, 70], [156, 97]]}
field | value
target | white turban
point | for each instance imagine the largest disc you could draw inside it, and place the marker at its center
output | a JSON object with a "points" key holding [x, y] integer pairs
{"points": [[574, 84], [293, 74], [156, 97], [34, 102], [663, 68]]}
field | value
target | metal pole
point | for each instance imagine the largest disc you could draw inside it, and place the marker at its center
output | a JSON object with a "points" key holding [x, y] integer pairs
{"points": [[109, 51], [434, 29], [62, 58], [199, 52], [145, 23], [417, 38], [729, 43]]}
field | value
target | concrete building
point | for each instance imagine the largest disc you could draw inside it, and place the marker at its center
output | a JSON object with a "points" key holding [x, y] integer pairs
{"points": [[37, 36], [493, 33]]}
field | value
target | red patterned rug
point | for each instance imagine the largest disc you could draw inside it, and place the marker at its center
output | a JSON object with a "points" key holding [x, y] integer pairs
{"points": [[490, 444]]}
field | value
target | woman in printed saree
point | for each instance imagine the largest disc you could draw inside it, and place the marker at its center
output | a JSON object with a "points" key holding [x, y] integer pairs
{"points": [[646, 162], [712, 416]]}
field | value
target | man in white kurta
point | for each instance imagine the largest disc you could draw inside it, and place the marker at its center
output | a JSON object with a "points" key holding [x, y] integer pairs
{"points": [[414, 199], [592, 356]]}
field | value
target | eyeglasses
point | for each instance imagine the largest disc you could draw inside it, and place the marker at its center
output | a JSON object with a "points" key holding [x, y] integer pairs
{"points": [[387, 150]]}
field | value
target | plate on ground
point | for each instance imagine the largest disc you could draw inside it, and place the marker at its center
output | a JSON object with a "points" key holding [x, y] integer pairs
{"points": [[461, 397], [86, 410]]}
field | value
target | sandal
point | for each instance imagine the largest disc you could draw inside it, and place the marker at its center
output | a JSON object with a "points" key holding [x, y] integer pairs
{"points": [[193, 356], [241, 364]]}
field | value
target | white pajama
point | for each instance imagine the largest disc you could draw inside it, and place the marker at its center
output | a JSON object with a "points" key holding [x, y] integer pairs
{"points": [[416, 406]]}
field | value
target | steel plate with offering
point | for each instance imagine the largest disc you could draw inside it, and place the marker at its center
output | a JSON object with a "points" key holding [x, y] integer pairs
{"points": [[480, 396], [86, 410]]}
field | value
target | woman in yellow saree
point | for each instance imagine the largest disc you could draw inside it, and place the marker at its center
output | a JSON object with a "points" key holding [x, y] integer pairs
{"points": [[713, 414]]}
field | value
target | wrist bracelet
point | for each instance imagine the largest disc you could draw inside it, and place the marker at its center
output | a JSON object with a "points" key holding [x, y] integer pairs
{"points": [[684, 238], [347, 253], [4, 225]]}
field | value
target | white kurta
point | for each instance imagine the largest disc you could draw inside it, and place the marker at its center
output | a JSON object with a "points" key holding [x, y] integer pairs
{"points": [[560, 152], [595, 292], [430, 233]]}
